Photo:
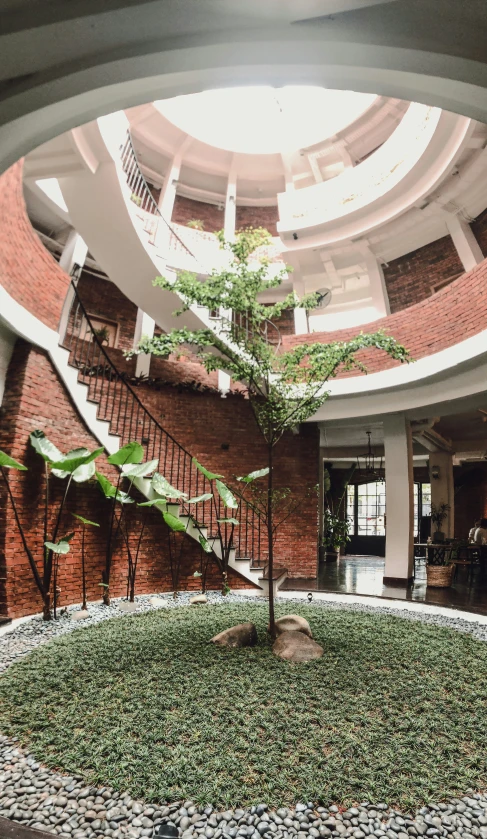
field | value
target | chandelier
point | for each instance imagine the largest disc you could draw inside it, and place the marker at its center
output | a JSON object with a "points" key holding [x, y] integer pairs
{"points": [[370, 465]]}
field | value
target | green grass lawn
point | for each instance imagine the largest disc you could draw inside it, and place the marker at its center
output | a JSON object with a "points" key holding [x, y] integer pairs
{"points": [[395, 711]]}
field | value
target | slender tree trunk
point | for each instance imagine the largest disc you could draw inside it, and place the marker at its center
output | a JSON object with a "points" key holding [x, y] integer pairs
{"points": [[270, 545]]}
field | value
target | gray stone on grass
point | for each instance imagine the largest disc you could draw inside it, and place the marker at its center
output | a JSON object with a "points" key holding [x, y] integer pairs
{"points": [[157, 602], [242, 635], [296, 647], [293, 623], [81, 615], [127, 606], [198, 600]]}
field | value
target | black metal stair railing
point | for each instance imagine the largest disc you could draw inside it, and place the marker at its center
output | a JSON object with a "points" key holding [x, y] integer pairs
{"points": [[143, 198], [129, 419]]}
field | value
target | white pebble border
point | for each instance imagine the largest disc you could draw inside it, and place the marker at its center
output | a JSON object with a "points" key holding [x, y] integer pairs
{"points": [[41, 798]]}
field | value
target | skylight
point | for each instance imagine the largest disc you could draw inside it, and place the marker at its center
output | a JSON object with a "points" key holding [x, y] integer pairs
{"points": [[265, 120]]}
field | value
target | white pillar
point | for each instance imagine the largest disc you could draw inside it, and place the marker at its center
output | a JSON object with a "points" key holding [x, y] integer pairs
{"points": [[168, 191], [74, 253], [398, 453], [301, 322], [378, 289], [230, 221], [224, 381], [466, 244], [144, 327], [442, 488]]}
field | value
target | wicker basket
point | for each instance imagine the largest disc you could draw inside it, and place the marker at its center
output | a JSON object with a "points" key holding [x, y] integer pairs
{"points": [[439, 576]]}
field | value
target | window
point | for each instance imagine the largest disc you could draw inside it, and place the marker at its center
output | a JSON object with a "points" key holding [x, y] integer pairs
{"points": [[106, 330], [371, 508], [422, 505], [366, 508]]}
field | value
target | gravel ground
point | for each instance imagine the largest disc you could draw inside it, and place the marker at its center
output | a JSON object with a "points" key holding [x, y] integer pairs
{"points": [[63, 805]]}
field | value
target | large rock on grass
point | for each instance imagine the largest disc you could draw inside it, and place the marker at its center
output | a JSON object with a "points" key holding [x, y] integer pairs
{"points": [[293, 623], [242, 635], [297, 647], [198, 599]]}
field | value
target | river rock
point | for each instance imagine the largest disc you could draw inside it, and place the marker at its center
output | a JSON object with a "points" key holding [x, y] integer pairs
{"points": [[127, 606], [81, 615], [242, 635], [293, 623], [198, 599], [297, 647]]}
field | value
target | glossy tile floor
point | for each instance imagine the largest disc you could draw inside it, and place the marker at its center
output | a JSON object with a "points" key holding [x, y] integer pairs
{"points": [[363, 575]]}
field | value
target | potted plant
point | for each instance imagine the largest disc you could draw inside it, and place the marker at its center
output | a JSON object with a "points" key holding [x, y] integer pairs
{"points": [[335, 536], [196, 224], [438, 515], [336, 526]]}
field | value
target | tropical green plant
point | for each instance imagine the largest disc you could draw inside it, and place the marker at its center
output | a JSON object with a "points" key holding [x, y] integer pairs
{"points": [[284, 388], [196, 224], [103, 334], [78, 466], [129, 461], [336, 525], [84, 522], [438, 515]]}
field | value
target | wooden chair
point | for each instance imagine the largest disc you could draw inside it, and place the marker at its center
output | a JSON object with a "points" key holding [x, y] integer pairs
{"points": [[467, 557]]}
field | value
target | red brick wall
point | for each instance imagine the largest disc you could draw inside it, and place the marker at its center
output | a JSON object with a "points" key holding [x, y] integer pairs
{"points": [[412, 277], [28, 272], [479, 227], [103, 298], [35, 398], [453, 314], [187, 209], [258, 217], [203, 422]]}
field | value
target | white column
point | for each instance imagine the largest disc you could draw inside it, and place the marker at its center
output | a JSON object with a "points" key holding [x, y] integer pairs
{"points": [[230, 221], [74, 253], [286, 158], [144, 327], [442, 488], [398, 453], [168, 191], [301, 323], [466, 244], [378, 289]]}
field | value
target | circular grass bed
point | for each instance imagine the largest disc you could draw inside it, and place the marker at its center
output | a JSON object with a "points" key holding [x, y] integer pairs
{"points": [[395, 711]]}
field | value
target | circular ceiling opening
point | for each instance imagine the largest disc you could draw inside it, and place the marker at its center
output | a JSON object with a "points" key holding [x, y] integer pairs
{"points": [[265, 120]]}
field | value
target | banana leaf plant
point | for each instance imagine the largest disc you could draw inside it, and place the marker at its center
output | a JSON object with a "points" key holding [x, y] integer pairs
{"points": [[166, 494], [131, 468], [78, 466], [84, 522], [231, 499]]}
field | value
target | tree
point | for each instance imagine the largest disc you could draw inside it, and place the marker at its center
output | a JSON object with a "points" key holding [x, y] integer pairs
{"points": [[285, 388]]}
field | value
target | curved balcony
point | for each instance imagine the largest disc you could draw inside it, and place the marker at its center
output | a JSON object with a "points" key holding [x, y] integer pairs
{"points": [[405, 168]]}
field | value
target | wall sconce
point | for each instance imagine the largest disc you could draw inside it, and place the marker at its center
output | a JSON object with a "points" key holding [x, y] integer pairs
{"points": [[435, 472]]}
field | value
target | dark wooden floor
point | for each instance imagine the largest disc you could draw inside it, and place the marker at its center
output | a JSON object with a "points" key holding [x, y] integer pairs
{"points": [[364, 574]]}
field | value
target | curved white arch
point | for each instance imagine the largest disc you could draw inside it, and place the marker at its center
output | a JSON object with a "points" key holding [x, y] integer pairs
{"points": [[49, 103]]}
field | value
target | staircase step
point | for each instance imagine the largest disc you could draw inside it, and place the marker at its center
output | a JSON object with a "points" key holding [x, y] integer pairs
{"points": [[276, 574]]}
